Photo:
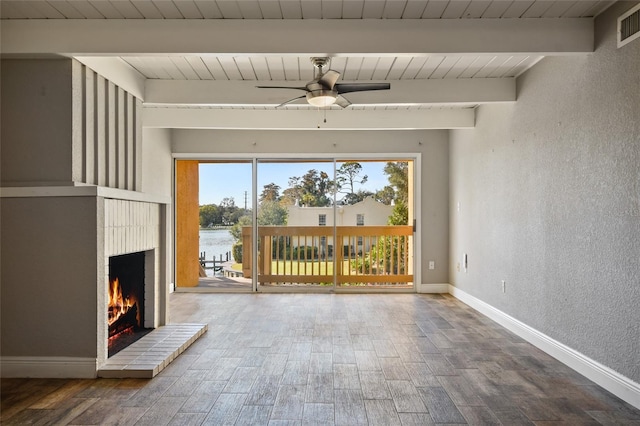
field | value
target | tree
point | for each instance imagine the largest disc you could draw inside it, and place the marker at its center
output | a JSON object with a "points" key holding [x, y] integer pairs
{"points": [[270, 192], [398, 173], [210, 215], [386, 195], [357, 197], [313, 189], [346, 177], [272, 213]]}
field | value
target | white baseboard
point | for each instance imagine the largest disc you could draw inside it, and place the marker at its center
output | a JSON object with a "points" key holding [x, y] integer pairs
{"points": [[48, 367], [433, 288], [619, 385]]}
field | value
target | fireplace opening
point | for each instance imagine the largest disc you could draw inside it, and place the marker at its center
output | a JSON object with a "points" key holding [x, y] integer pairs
{"points": [[126, 301]]}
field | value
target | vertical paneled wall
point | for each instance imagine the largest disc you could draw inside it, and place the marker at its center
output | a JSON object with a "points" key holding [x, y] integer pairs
{"points": [[110, 132]]}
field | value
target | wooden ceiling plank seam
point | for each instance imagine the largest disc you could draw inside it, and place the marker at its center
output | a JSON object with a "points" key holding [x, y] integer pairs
{"points": [[270, 9], [537, 9], [209, 9], [168, 9], [47, 10], [127, 9], [188, 9], [311, 9], [288, 9], [373, 9], [558, 9], [501, 66], [352, 68], [250, 9], [147, 9], [139, 65], [215, 68], [230, 67], [170, 68], [434, 9], [393, 9], [430, 65], [87, 9], [245, 67], [383, 68], [525, 65], [229, 9], [291, 68], [199, 67], [107, 9], [352, 9], [398, 67], [496, 9], [185, 67], [491, 65], [511, 68], [475, 66], [67, 10], [154, 64], [476, 9], [413, 68], [455, 9], [331, 9], [517, 9], [276, 68], [260, 68], [445, 66], [338, 64], [460, 66], [414, 9], [307, 69], [367, 68]]}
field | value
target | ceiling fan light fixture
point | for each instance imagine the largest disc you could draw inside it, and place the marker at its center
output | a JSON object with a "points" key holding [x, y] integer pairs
{"points": [[322, 98]]}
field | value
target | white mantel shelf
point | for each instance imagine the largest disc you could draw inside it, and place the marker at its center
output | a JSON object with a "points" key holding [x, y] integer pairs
{"points": [[82, 191]]}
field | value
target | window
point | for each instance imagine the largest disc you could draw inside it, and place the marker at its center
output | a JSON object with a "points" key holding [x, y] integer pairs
{"points": [[322, 220], [360, 220]]}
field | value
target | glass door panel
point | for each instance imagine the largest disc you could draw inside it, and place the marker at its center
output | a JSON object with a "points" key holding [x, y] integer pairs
{"points": [[295, 219], [374, 224]]}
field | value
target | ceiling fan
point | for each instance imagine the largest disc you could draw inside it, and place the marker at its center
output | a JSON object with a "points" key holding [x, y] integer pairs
{"points": [[323, 91]]}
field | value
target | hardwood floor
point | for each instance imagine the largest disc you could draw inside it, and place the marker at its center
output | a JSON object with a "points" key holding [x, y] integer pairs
{"points": [[349, 359]]}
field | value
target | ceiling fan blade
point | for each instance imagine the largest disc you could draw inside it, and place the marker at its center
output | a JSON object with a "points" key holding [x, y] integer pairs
{"points": [[291, 100], [329, 79], [361, 87], [281, 87], [342, 101]]}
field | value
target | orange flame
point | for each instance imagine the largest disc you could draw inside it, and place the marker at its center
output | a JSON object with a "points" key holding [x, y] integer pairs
{"points": [[117, 304]]}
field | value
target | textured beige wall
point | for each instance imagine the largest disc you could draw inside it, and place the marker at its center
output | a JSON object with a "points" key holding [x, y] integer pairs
{"points": [[433, 213], [49, 273], [548, 192]]}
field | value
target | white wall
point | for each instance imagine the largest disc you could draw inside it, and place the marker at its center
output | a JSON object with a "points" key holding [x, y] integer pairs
{"points": [[156, 162], [433, 212], [548, 192]]}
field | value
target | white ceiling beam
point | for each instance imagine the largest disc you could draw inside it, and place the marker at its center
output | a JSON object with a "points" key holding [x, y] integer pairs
{"points": [[74, 37], [233, 119], [210, 92]]}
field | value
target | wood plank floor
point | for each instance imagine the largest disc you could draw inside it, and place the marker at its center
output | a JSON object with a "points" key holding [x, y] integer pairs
{"points": [[349, 359]]}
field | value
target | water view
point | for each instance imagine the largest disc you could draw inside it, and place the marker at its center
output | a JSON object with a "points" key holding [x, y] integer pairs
{"points": [[215, 242]]}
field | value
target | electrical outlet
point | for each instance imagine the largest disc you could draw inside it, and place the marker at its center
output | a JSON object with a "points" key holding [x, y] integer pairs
{"points": [[504, 287], [432, 264]]}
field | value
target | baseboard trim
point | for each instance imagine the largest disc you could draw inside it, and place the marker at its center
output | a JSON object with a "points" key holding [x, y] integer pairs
{"points": [[433, 288], [48, 367], [619, 385]]}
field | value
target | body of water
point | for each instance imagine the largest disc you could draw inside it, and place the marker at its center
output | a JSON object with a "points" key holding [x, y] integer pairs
{"points": [[215, 242]]}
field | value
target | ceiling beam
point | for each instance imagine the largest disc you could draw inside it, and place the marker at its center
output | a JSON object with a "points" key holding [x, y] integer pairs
{"points": [[73, 37], [233, 119], [210, 92]]}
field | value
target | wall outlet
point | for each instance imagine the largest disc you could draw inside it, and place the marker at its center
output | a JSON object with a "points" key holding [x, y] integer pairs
{"points": [[504, 287], [432, 264]]}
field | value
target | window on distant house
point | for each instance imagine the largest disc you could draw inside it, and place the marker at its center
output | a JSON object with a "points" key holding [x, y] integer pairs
{"points": [[360, 220], [322, 220]]}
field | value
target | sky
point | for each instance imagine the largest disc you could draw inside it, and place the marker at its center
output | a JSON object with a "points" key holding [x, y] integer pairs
{"points": [[223, 180]]}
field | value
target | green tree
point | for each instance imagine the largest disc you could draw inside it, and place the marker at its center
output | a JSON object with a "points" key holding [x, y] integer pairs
{"points": [[271, 213], [386, 195], [210, 215], [398, 175], [347, 176], [357, 197], [270, 192], [313, 189], [236, 229]]}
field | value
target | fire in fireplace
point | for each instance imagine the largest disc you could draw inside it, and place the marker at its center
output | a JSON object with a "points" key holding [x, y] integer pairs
{"points": [[126, 300]]}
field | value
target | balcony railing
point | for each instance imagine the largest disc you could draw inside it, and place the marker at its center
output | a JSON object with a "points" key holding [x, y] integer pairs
{"points": [[363, 255]]}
